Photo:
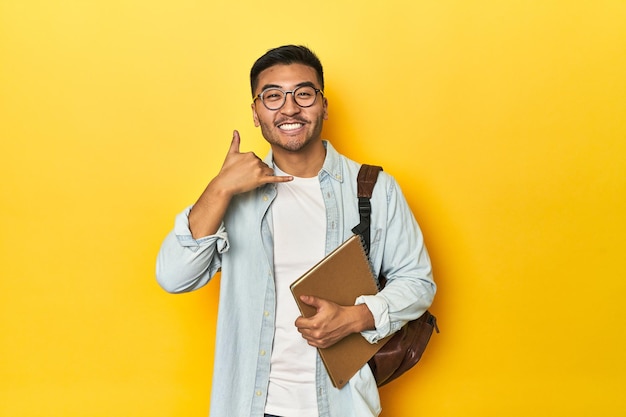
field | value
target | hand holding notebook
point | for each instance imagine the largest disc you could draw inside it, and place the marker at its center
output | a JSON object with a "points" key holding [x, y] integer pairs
{"points": [[340, 277], [332, 322]]}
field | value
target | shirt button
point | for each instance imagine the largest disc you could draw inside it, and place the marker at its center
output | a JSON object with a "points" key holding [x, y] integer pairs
{"points": [[262, 353], [258, 393], [266, 313], [264, 198]]}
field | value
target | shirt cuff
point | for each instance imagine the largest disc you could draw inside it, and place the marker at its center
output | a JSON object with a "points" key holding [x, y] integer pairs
{"points": [[183, 234], [380, 311]]}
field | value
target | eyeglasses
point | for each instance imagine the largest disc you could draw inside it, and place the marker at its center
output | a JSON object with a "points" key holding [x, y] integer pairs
{"points": [[275, 98]]}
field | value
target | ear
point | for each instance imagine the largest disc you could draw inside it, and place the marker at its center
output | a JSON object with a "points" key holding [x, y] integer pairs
{"points": [[325, 108], [255, 116]]}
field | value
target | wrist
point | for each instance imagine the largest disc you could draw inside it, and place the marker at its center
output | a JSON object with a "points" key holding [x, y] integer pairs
{"points": [[364, 318], [218, 190]]}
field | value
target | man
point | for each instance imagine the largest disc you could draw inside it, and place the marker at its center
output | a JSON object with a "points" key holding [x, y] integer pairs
{"points": [[263, 224]]}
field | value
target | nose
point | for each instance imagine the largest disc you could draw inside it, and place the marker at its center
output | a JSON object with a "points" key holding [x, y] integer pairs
{"points": [[290, 106]]}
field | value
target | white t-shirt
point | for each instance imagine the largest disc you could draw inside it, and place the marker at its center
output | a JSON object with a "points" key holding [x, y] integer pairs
{"points": [[299, 218]]}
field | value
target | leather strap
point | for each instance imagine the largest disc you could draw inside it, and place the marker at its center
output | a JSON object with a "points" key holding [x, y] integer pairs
{"points": [[368, 174]]}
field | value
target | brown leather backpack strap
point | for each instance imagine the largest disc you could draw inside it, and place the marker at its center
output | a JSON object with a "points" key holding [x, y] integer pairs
{"points": [[368, 174]]}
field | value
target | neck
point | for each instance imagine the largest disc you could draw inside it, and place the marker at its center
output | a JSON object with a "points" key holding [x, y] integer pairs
{"points": [[305, 163]]}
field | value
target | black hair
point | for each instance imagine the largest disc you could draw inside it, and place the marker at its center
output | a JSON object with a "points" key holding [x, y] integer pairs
{"points": [[285, 55]]}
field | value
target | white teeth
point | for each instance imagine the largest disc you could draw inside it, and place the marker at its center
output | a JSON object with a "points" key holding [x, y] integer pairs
{"points": [[290, 126]]}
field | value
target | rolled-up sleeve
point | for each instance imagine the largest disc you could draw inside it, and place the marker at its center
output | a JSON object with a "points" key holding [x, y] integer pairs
{"points": [[380, 310], [186, 264]]}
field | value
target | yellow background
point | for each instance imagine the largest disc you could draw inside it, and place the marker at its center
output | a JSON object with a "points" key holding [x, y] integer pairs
{"points": [[504, 122]]}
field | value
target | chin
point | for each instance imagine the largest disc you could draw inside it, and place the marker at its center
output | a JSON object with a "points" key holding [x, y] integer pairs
{"points": [[289, 143], [293, 145]]}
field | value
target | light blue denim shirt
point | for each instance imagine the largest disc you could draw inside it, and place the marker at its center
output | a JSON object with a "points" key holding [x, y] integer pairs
{"points": [[243, 250]]}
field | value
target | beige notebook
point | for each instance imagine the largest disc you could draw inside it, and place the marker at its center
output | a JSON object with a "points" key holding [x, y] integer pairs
{"points": [[341, 277]]}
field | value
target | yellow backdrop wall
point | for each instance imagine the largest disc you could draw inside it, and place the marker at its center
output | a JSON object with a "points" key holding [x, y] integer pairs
{"points": [[503, 122]]}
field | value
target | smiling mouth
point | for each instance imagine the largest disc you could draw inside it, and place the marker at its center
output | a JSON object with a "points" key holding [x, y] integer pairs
{"points": [[290, 126]]}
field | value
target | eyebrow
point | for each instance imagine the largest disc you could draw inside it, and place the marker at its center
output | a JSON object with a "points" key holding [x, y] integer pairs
{"points": [[302, 84]]}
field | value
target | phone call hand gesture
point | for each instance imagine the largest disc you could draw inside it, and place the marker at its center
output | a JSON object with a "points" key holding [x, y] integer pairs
{"points": [[245, 171], [241, 172]]}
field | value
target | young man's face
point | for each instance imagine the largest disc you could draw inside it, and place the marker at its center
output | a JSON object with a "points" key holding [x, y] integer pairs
{"points": [[291, 127]]}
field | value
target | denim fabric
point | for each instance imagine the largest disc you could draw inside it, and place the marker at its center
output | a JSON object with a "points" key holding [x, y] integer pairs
{"points": [[242, 249]]}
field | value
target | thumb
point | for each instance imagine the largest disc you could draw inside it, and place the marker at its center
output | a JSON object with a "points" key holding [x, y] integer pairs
{"points": [[312, 301], [234, 145]]}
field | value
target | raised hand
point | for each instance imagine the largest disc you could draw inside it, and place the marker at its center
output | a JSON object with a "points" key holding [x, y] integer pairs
{"points": [[240, 172], [243, 172]]}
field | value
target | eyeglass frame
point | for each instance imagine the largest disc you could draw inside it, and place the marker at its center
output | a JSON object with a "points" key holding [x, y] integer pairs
{"points": [[260, 96]]}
